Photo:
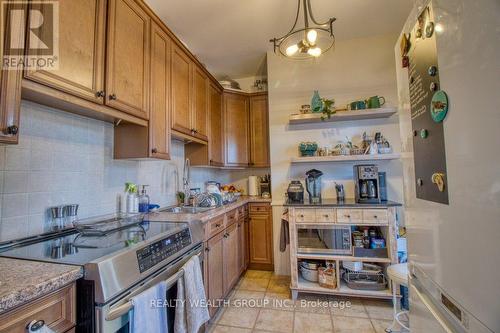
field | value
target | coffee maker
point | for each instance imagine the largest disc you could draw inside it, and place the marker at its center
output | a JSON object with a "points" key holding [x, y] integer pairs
{"points": [[367, 184]]}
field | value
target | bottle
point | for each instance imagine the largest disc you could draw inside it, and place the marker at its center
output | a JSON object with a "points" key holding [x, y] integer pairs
{"points": [[144, 200], [131, 198], [366, 239]]}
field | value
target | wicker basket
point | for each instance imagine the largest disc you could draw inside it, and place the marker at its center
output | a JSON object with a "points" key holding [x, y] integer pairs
{"points": [[357, 151]]}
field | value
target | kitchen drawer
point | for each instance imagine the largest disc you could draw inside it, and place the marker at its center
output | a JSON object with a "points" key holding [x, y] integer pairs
{"points": [[231, 217], [325, 215], [57, 310], [259, 209], [349, 215], [377, 216], [303, 215], [214, 226]]}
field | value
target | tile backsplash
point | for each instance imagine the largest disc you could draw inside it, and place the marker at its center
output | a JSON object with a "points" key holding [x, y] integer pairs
{"points": [[63, 158]]}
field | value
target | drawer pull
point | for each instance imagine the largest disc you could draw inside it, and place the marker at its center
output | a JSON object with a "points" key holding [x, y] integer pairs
{"points": [[375, 216], [207, 249], [217, 225], [301, 216], [35, 325], [326, 216], [348, 216]]}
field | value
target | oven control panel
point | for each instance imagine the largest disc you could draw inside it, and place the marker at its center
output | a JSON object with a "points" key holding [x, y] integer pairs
{"points": [[155, 253]]}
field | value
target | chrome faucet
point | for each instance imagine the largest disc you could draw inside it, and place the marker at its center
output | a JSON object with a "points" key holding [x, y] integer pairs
{"points": [[186, 178]]}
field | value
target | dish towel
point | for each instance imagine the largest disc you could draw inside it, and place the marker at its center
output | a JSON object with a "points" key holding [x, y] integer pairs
{"points": [[285, 231], [145, 317], [191, 310]]}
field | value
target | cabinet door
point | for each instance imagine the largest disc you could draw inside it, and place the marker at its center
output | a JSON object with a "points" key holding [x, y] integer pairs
{"points": [[181, 91], [214, 261], [216, 144], [200, 105], [81, 50], [10, 91], [127, 62], [259, 131], [231, 269], [241, 244], [160, 94], [261, 255], [236, 130]]}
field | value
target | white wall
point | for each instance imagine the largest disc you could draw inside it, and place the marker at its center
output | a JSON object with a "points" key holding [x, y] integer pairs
{"points": [[354, 69], [62, 158]]}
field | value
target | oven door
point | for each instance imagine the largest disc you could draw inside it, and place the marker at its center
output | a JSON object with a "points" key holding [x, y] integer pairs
{"points": [[324, 239], [114, 316]]}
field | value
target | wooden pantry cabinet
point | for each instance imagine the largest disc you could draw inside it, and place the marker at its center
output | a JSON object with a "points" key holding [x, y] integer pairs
{"points": [[236, 129], [259, 131]]}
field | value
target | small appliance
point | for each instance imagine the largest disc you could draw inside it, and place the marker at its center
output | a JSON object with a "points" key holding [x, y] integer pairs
{"points": [[295, 192], [313, 185], [367, 184]]}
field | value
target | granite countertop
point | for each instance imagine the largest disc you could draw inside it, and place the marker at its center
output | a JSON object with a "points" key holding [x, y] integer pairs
{"points": [[345, 203], [206, 215], [22, 281]]}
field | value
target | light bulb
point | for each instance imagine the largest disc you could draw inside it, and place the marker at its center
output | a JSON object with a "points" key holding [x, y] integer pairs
{"points": [[315, 52], [292, 49], [439, 28], [312, 35]]}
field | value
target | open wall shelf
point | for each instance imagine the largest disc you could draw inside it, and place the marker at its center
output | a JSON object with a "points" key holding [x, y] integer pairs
{"points": [[345, 158], [311, 118]]}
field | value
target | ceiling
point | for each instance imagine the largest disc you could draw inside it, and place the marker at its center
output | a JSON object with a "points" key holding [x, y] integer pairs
{"points": [[231, 37]]}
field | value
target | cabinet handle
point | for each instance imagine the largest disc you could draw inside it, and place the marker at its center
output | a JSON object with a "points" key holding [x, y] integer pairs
{"points": [[12, 130], [348, 216], [301, 216], [375, 216], [154, 151], [326, 216], [211, 161], [112, 97], [100, 93], [217, 225], [38, 324], [207, 249]]}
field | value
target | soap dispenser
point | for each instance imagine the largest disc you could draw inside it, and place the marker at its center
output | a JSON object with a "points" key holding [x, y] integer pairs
{"points": [[144, 200]]}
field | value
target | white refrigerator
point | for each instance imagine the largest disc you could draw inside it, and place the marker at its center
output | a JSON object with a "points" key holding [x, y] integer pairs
{"points": [[454, 249]]}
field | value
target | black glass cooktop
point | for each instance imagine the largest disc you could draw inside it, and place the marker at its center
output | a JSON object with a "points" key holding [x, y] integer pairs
{"points": [[80, 249]]}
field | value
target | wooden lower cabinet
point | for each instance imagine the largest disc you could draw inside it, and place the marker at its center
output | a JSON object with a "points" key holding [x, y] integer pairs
{"points": [[214, 280], [57, 310], [225, 256], [261, 237]]}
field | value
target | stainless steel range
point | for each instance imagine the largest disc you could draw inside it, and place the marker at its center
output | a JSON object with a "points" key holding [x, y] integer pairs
{"points": [[121, 258]]}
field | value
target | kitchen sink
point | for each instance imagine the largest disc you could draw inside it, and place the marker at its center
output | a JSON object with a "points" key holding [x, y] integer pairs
{"points": [[186, 210]]}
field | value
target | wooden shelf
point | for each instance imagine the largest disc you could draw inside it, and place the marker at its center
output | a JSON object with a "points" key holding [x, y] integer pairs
{"points": [[341, 258], [313, 287], [310, 118], [346, 158]]}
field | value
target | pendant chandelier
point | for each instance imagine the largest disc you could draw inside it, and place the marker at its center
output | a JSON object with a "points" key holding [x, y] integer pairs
{"points": [[308, 42]]}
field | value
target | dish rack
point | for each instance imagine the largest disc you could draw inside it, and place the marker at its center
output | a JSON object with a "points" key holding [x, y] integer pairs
{"points": [[370, 277], [104, 225]]}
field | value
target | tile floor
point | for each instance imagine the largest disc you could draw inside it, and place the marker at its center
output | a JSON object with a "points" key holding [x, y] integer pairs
{"points": [[261, 302]]}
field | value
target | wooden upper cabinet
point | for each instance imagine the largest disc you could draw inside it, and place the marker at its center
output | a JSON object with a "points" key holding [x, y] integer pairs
{"points": [[200, 105], [159, 123], [259, 131], [181, 91], [236, 129], [81, 50], [127, 62], [10, 91], [216, 144]]}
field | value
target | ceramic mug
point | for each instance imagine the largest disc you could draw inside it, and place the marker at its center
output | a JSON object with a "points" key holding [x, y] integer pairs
{"points": [[375, 102], [358, 105]]}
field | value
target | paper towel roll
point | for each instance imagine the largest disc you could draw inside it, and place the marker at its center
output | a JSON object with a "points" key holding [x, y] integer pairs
{"points": [[253, 185]]}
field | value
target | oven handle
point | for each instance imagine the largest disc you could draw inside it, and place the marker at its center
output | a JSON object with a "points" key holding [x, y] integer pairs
{"points": [[126, 307]]}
